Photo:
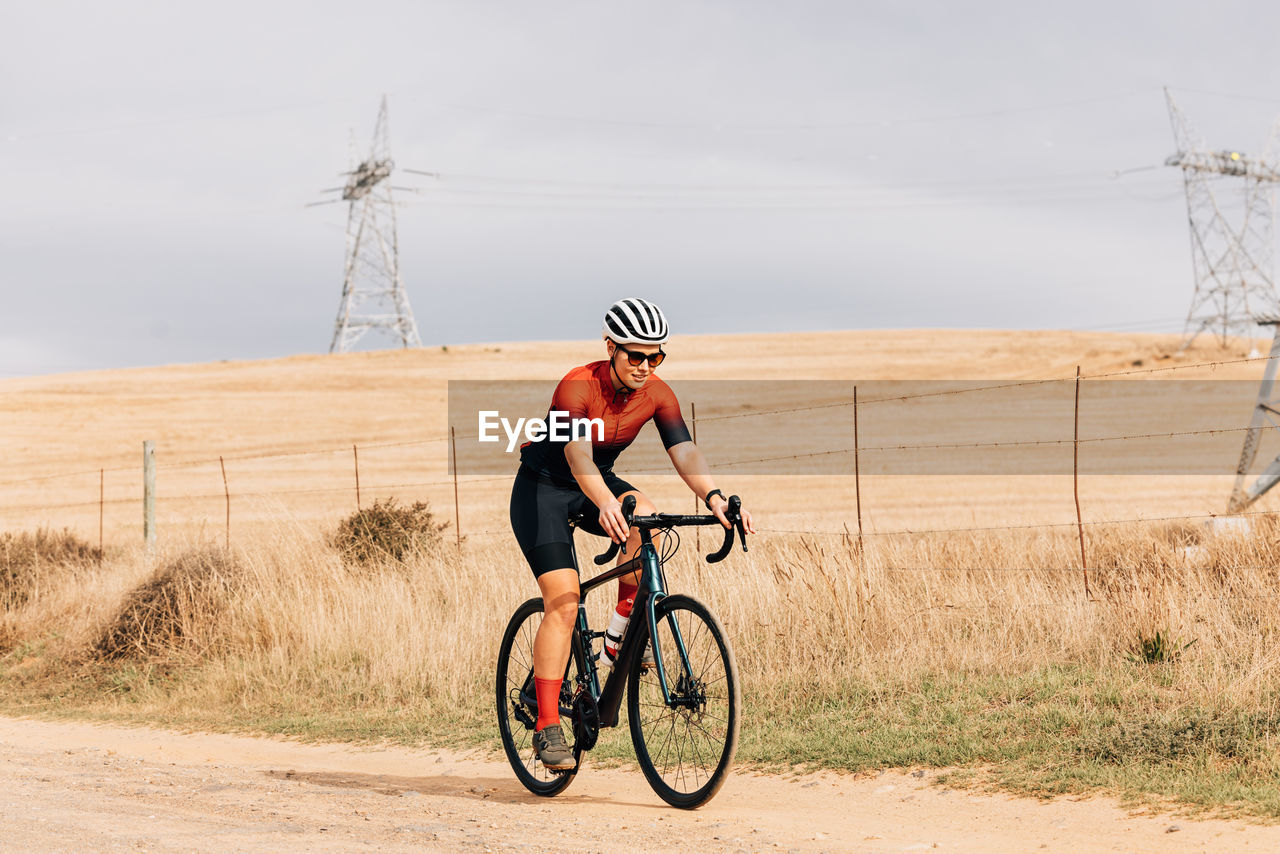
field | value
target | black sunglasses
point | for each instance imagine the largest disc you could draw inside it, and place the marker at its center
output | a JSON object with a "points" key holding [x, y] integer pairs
{"points": [[634, 358]]}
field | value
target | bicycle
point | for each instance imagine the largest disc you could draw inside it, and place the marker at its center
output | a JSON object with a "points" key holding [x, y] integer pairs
{"points": [[682, 712]]}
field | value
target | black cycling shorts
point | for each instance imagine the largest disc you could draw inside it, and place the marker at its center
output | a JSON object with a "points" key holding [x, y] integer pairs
{"points": [[540, 511]]}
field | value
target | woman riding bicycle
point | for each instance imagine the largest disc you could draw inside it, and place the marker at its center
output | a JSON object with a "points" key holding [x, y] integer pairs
{"points": [[560, 480]]}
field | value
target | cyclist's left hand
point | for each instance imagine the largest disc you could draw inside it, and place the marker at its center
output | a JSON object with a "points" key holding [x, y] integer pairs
{"points": [[718, 506]]}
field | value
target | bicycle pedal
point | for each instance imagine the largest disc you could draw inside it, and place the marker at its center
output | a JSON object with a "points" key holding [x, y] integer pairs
{"points": [[560, 771]]}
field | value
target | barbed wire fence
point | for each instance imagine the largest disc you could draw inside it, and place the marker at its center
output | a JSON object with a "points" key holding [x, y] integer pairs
{"points": [[854, 450]]}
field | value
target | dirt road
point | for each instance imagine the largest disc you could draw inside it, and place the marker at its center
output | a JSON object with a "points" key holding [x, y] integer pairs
{"points": [[83, 787]]}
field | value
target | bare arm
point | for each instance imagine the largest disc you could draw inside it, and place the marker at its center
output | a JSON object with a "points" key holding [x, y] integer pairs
{"points": [[578, 454], [694, 471]]}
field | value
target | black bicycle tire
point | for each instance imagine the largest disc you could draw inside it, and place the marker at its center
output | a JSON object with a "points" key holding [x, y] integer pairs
{"points": [[704, 793], [557, 781]]}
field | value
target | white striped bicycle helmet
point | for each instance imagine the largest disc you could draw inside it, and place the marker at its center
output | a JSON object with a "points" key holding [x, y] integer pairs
{"points": [[635, 321]]}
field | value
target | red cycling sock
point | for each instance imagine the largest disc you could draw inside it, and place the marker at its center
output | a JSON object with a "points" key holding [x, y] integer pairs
{"points": [[548, 691], [626, 597]]}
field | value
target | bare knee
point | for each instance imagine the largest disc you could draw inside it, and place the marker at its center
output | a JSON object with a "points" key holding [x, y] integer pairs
{"points": [[559, 598], [562, 610]]}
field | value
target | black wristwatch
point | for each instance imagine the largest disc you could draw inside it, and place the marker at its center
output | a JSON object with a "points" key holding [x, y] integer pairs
{"points": [[707, 500]]}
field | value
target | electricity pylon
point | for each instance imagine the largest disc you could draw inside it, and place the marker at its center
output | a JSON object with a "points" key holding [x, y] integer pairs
{"points": [[1230, 206], [373, 294], [1265, 414]]}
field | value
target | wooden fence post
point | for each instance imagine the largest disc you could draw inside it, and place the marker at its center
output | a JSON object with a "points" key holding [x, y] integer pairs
{"points": [[149, 494]]}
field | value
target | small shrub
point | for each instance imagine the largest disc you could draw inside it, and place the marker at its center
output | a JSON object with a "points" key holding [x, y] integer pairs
{"points": [[387, 531], [177, 607], [1157, 649], [28, 560]]}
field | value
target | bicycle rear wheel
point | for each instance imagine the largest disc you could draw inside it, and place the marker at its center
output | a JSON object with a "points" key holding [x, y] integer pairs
{"points": [[518, 706], [685, 748]]}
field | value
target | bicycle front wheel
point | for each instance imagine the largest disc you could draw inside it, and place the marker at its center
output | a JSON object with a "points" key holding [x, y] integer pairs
{"points": [[685, 745], [518, 703]]}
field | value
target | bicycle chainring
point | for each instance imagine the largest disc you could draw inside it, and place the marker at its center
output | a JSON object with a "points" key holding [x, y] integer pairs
{"points": [[586, 720]]}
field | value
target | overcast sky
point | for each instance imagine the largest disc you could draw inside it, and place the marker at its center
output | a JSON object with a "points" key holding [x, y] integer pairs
{"points": [[748, 166]]}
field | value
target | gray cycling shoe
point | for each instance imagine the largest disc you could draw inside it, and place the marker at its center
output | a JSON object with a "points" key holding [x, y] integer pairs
{"points": [[552, 750]]}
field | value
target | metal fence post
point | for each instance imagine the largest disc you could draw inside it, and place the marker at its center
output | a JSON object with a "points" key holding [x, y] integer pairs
{"points": [[857, 476], [697, 505], [1075, 486], [355, 452], [102, 489], [226, 490], [149, 494], [457, 513]]}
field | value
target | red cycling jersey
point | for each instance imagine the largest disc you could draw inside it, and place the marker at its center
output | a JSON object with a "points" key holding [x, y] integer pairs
{"points": [[588, 392]]}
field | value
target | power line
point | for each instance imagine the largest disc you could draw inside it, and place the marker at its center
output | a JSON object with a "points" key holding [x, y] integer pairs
{"points": [[807, 127], [1236, 95], [667, 205], [1069, 177]]}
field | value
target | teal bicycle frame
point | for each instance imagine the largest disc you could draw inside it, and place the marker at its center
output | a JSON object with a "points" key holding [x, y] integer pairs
{"points": [[652, 590]]}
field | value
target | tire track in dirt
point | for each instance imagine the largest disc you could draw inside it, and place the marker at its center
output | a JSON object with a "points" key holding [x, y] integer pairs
{"points": [[90, 787]]}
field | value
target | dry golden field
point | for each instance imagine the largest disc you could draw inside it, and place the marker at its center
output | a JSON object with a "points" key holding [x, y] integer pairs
{"points": [[310, 410]]}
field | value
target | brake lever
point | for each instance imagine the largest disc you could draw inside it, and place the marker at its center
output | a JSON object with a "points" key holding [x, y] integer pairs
{"points": [[735, 507], [735, 521], [628, 512]]}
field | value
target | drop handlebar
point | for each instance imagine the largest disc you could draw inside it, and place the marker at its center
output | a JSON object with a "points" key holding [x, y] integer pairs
{"points": [[672, 520]]}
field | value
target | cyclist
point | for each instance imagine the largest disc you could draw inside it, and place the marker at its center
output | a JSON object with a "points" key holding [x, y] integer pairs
{"points": [[560, 479]]}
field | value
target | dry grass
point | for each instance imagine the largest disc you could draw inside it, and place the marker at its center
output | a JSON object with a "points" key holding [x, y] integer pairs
{"points": [[811, 609], [31, 565], [977, 648], [28, 560]]}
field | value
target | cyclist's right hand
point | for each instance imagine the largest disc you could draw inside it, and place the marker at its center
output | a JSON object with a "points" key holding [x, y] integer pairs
{"points": [[613, 522]]}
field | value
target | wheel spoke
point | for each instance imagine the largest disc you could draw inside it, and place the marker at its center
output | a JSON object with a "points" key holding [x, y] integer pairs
{"points": [[663, 751], [684, 746], [524, 662], [693, 745]]}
